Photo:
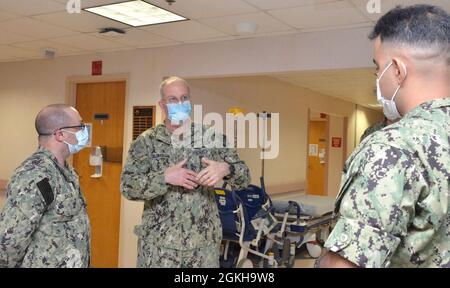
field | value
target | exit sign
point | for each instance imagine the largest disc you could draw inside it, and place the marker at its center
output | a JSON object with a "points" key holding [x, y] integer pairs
{"points": [[336, 142], [97, 68]]}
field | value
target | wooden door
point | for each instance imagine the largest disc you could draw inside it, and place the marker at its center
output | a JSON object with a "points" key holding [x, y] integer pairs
{"points": [[316, 168], [95, 102]]}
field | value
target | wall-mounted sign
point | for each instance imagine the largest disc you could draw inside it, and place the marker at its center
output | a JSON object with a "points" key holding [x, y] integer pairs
{"points": [[313, 149], [336, 142], [97, 68]]}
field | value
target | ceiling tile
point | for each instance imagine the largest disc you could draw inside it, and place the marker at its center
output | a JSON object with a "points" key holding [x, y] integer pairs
{"points": [[353, 85], [195, 9], [266, 23], [139, 38], [87, 42], [83, 22], [7, 16], [92, 3], [320, 15], [184, 31], [367, 24], [31, 7], [387, 5], [14, 52], [10, 38], [40, 46], [280, 4], [34, 28]]}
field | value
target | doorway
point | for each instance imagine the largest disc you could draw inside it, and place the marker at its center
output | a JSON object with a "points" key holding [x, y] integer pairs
{"points": [[317, 153], [103, 106]]}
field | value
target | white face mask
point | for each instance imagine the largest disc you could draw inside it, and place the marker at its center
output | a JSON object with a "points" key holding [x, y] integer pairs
{"points": [[82, 140], [389, 107]]}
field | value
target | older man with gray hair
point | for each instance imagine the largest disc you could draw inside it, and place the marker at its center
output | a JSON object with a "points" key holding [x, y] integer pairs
{"points": [[175, 179]]}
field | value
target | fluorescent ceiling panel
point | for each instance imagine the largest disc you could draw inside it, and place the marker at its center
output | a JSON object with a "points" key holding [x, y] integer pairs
{"points": [[136, 13]]}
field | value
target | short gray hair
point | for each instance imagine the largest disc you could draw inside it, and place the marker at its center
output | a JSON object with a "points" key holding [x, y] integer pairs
{"points": [[170, 80]]}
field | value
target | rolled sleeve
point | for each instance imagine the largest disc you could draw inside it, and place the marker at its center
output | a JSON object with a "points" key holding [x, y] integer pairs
{"points": [[362, 244], [375, 204]]}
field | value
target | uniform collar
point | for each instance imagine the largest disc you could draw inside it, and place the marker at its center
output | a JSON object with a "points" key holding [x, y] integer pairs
{"points": [[164, 135], [47, 153], [432, 104]]}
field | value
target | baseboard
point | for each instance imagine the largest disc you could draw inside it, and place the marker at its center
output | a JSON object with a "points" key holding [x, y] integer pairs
{"points": [[278, 189]]}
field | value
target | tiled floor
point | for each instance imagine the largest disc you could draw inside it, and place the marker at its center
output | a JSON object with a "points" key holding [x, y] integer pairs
{"points": [[303, 260]]}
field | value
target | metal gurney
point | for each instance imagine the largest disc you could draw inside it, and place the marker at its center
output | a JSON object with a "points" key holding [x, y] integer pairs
{"points": [[305, 220]]}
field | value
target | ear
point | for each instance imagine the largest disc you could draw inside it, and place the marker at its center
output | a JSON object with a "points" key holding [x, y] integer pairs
{"points": [[59, 136], [401, 71], [163, 107]]}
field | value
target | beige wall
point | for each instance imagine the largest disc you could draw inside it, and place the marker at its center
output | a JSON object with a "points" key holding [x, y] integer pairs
{"points": [[336, 155], [366, 117], [25, 87], [257, 94]]}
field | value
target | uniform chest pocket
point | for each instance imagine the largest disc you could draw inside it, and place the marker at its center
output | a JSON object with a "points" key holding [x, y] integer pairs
{"points": [[68, 204], [159, 161]]}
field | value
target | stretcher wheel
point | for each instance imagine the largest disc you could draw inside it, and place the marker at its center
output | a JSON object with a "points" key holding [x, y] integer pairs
{"points": [[286, 252], [245, 263], [291, 261], [314, 250], [276, 258]]}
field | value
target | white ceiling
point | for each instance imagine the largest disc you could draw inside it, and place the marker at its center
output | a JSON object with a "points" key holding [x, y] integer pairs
{"points": [[352, 85], [28, 27]]}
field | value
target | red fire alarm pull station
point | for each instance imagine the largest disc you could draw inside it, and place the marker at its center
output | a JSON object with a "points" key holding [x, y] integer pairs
{"points": [[97, 68], [336, 142]]}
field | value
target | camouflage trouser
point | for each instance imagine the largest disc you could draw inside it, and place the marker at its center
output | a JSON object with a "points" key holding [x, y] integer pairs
{"points": [[152, 256]]}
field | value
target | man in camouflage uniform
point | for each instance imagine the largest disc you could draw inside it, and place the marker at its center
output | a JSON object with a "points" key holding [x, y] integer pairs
{"points": [[174, 174], [376, 127], [393, 202], [44, 222]]}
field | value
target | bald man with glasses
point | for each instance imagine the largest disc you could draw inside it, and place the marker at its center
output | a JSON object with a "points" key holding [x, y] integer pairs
{"points": [[44, 222]]}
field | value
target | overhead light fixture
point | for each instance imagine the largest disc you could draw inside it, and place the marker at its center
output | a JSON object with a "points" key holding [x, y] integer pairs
{"points": [[136, 13]]}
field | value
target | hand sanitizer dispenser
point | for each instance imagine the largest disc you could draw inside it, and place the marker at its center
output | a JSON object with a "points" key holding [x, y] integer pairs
{"points": [[96, 160]]}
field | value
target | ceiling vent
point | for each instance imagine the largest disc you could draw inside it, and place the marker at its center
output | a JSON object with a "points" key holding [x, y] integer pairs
{"points": [[112, 32]]}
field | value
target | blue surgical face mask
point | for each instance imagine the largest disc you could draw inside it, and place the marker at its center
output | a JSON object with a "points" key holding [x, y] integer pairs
{"points": [[179, 112], [82, 140], [389, 107]]}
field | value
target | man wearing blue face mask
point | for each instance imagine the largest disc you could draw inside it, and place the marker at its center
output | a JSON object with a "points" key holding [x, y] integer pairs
{"points": [[44, 222], [175, 179], [393, 205]]}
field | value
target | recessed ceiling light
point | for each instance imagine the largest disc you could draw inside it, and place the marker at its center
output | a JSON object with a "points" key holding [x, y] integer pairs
{"points": [[136, 13]]}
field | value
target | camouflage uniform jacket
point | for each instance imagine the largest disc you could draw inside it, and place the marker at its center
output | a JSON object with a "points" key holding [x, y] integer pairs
{"points": [[393, 201], [173, 216], [33, 234]]}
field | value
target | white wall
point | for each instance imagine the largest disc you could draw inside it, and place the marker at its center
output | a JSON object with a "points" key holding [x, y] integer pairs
{"points": [[25, 87]]}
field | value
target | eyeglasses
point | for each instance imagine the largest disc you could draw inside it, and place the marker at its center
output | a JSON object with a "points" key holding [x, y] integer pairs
{"points": [[81, 126], [174, 100]]}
